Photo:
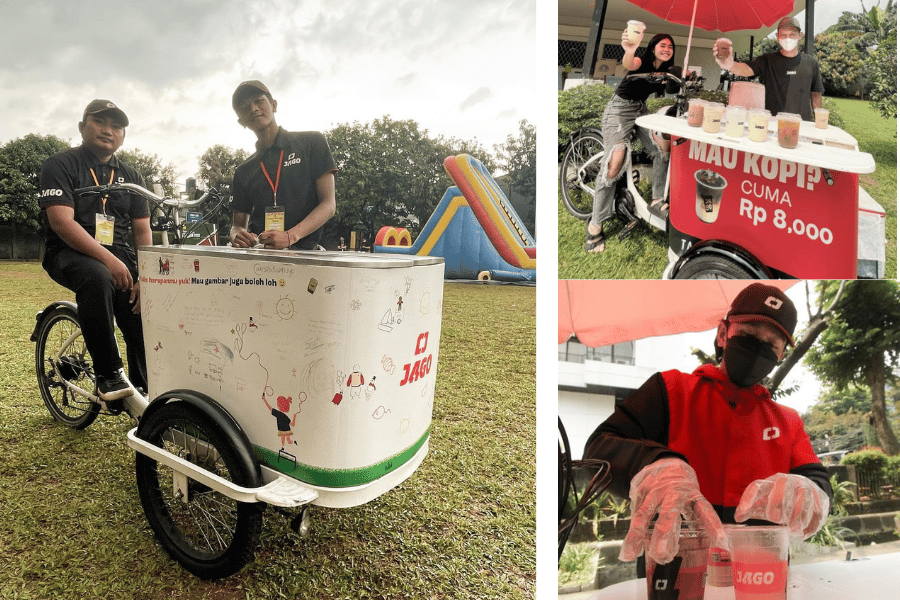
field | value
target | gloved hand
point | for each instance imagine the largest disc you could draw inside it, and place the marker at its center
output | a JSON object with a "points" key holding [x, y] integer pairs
{"points": [[669, 487], [791, 500], [722, 52]]}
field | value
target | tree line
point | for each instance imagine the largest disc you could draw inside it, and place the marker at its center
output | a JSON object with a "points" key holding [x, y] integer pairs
{"points": [[390, 173]]}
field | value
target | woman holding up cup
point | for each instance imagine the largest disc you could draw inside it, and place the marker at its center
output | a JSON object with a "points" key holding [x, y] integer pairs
{"points": [[628, 103]]}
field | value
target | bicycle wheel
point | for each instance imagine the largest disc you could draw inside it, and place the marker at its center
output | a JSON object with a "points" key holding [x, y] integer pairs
{"points": [[711, 266], [208, 533], [578, 173], [60, 334]]}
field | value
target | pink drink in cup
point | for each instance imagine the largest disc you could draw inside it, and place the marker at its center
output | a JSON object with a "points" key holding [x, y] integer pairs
{"points": [[695, 112], [685, 576], [759, 562]]}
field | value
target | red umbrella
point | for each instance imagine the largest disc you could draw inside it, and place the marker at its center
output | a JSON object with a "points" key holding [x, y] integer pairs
{"points": [[717, 15], [602, 313]]}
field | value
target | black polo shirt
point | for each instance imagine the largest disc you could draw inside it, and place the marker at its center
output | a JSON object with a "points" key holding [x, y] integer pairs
{"points": [[71, 169], [306, 158]]}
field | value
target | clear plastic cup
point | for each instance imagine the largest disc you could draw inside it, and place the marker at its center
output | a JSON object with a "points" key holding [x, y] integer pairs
{"points": [[788, 130], [635, 30], [821, 117], [712, 117], [710, 187], [734, 121], [685, 576], [759, 561], [758, 124], [695, 112]]}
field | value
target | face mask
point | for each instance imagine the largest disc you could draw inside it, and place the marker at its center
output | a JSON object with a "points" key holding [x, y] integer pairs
{"points": [[748, 360], [789, 44]]}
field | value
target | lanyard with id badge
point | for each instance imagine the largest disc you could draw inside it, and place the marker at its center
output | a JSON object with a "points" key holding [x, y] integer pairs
{"points": [[104, 224], [274, 213]]}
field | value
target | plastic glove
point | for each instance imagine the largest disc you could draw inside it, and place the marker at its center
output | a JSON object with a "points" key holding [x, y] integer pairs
{"points": [[791, 500], [723, 53], [669, 487]]}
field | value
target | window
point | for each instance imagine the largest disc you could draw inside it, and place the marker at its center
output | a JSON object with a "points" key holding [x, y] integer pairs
{"points": [[575, 352]]}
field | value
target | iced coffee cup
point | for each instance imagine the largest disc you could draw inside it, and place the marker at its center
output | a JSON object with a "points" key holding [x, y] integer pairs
{"points": [[821, 117], [759, 561], [635, 32], [734, 121], [758, 124], [712, 117], [788, 130], [695, 112], [710, 186], [684, 577]]}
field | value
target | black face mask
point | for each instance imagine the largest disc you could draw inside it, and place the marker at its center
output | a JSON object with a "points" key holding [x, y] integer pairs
{"points": [[748, 360]]}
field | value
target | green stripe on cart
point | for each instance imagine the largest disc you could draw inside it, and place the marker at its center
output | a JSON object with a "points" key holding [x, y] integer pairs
{"points": [[286, 463]]}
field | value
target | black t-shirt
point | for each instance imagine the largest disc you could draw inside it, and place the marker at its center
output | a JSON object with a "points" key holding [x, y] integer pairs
{"points": [[640, 89], [306, 158], [789, 82], [71, 169]]}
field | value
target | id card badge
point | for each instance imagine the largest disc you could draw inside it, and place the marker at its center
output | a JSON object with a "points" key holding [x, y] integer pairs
{"points": [[104, 229], [274, 218]]}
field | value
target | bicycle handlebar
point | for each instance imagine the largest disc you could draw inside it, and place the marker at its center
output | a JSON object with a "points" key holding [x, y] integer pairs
{"points": [[133, 187]]}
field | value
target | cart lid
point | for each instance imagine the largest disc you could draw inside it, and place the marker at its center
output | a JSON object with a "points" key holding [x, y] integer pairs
{"points": [[304, 257]]}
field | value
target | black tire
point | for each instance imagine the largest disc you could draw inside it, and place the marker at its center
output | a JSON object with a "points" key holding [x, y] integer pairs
{"points": [[574, 178], [713, 266], [75, 365], [210, 535]]}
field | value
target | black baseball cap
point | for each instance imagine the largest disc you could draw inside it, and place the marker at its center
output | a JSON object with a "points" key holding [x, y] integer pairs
{"points": [[97, 107], [245, 89], [767, 304]]}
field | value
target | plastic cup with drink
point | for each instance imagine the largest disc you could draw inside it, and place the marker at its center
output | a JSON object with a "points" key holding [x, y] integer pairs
{"points": [[821, 117], [695, 112], [712, 117], [635, 32], [759, 561], [788, 130], [710, 186], [734, 121], [758, 124], [685, 576]]}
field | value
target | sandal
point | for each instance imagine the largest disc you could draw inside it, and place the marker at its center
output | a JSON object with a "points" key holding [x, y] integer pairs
{"points": [[659, 207], [628, 229], [594, 240]]}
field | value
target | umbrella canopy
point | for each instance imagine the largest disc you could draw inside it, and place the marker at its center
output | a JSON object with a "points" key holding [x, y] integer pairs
{"points": [[717, 15], [602, 313]]}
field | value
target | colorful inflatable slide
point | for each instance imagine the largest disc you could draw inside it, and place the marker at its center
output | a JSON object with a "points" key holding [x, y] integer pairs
{"points": [[474, 228]]}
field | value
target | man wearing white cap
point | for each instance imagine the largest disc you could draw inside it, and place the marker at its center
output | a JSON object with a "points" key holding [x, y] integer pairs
{"points": [[792, 79]]}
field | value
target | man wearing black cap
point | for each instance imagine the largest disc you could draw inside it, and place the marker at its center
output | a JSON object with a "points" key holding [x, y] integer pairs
{"points": [[792, 79], [284, 193], [86, 247], [712, 445]]}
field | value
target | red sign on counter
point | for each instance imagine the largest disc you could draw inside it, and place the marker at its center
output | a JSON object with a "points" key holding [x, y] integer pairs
{"points": [[793, 217]]}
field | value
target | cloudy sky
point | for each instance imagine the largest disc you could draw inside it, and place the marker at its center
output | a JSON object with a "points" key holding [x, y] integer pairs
{"points": [[460, 68]]}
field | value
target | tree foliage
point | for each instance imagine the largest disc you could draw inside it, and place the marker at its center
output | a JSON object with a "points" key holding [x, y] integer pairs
{"points": [[862, 345], [151, 169], [841, 64], [518, 157], [20, 170], [390, 173], [217, 166]]}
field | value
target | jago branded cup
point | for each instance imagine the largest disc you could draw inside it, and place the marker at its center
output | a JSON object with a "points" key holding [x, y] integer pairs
{"points": [[635, 30], [735, 117], [788, 130], [710, 186], [759, 561], [712, 117], [758, 124], [718, 571], [695, 112], [821, 117], [685, 576]]}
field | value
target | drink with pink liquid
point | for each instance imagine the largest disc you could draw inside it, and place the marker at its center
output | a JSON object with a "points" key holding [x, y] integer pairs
{"points": [[685, 576], [759, 562]]}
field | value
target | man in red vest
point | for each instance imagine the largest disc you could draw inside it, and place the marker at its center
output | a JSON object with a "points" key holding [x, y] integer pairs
{"points": [[712, 445]]}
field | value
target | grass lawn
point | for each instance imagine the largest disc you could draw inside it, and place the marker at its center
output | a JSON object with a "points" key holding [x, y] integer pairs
{"points": [[643, 255], [463, 526]]}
